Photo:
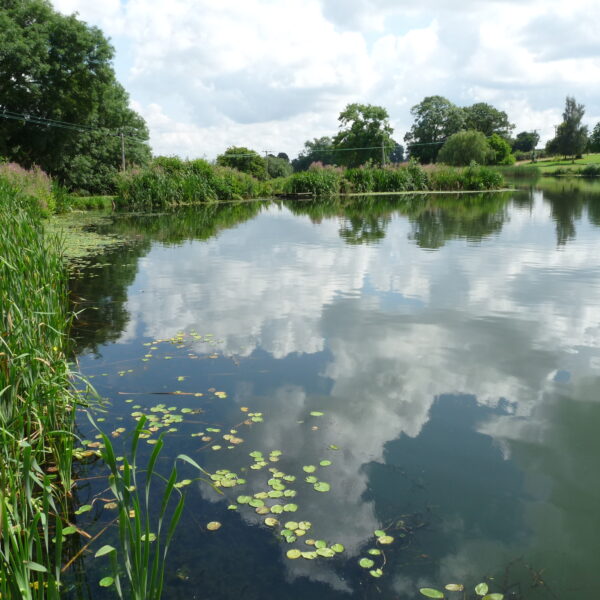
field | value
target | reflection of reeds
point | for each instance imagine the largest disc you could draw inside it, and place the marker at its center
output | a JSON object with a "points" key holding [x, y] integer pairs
{"points": [[36, 398]]}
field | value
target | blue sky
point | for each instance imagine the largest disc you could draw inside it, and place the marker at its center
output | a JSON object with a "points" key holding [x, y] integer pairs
{"points": [[270, 74]]}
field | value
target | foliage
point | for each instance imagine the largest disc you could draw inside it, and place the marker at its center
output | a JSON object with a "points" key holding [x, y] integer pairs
{"points": [[472, 178], [487, 119], [319, 180], [501, 151], [37, 406], [464, 147], [594, 144], [318, 150], [591, 171], [387, 179], [436, 119], [170, 181], [364, 135], [278, 166], [33, 183], [57, 67], [571, 136], [143, 544], [526, 141], [244, 160]]}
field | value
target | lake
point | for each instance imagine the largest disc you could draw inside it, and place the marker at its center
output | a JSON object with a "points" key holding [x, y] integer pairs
{"points": [[431, 364]]}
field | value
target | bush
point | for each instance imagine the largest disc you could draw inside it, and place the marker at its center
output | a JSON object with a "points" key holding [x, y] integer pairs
{"points": [[33, 184], [319, 180], [591, 171]]}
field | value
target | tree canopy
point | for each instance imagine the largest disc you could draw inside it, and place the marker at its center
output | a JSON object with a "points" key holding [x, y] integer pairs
{"points": [[365, 135], [487, 119], [526, 141], [571, 136], [595, 139], [245, 160], [436, 119], [318, 150], [56, 67], [464, 147]]}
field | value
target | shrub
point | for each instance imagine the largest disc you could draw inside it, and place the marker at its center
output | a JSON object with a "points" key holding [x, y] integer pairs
{"points": [[591, 171], [33, 184]]}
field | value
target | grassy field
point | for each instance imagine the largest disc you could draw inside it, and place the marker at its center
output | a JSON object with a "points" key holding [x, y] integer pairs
{"points": [[551, 164]]}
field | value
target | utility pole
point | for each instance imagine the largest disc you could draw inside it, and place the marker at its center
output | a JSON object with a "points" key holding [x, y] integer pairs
{"points": [[382, 154], [122, 151]]}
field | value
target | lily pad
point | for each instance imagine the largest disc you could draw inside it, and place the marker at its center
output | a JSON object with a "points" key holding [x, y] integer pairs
{"points": [[291, 525], [431, 593], [376, 573], [244, 499], [379, 533], [290, 507], [366, 563], [455, 587], [481, 589], [322, 486], [309, 555], [309, 468], [339, 548], [385, 539], [321, 544], [256, 502], [316, 413], [310, 479], [325, 463], [374, 552], [271, 522], [293, 553], [326, 552], [213, 525]]}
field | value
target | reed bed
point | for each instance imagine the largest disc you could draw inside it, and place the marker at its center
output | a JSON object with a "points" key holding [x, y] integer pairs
{"points": [[37, 400]]}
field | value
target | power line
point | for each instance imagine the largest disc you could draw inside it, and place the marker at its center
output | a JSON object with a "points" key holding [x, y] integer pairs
{"points": [[36, 120]]}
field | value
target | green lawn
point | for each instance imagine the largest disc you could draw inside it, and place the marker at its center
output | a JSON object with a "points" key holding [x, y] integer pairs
{"points": [[549, 164]]}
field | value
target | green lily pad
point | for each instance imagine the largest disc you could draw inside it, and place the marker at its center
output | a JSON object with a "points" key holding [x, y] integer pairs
{"points": [[244, 499], [374, 552], [481, 589], [311, 479], [293, 553], [316, 413], [366, 563], [256, 502], [309, 555], [290, 507], [277, 509], [213, 526], [326, 552], [325, 463], [431, 593], [339, 548], [106, 582], [306, 525], [455, 587], [309, 468], [322, 486], [291, 525], [379, 533], [320, 544], [376, 573], [385, 539], [271, 522]]}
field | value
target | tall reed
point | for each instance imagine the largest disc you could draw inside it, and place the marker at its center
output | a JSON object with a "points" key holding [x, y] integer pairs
{"points": [[37, 400]]}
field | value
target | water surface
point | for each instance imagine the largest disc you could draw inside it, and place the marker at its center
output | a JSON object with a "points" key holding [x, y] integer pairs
{"points": [[452, 345]]}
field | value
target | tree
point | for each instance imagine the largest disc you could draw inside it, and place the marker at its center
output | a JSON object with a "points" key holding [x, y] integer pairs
{"points": [[318, 150], [595, 139], [278, 166], [365, 135], [487, 119], [55, 67], [464, 147], [571, 136], [501, 151], [526, 141], [245, 160], [436, 119], [396, 154]]}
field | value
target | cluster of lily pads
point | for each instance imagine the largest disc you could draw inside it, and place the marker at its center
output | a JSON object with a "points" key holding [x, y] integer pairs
{"points": [[481, 589], [368, 563]]}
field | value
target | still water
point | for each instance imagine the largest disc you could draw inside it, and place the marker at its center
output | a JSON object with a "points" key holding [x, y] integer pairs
{"points": [[448, 348]]}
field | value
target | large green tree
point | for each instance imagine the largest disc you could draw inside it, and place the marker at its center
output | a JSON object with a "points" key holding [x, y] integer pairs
{"points": [[464, 147], [526, 141], [245, 160], [365, 135], [316, 150], [57, 68], [436, 119], [595, 139], [571, 136], [487, 119]]}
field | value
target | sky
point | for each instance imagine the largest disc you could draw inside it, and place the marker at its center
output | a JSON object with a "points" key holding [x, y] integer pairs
{"points": [[271, 74]]}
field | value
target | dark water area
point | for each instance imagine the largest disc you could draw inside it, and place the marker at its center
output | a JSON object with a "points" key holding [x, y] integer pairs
{"points": [[449, 352]]}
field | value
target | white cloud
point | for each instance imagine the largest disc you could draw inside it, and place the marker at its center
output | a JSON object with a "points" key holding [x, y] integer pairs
{"points": [[270, 75]]}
